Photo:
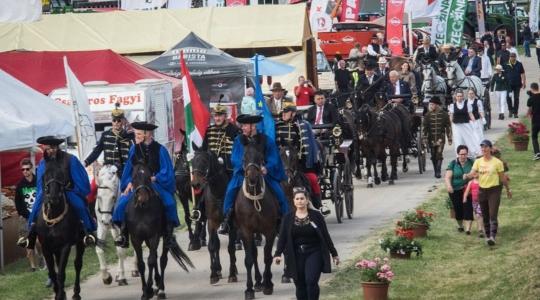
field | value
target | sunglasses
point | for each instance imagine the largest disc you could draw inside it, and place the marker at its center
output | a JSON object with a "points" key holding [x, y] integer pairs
{"points": [[25, 169]]}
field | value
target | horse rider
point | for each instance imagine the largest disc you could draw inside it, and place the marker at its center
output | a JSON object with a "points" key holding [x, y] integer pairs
{"points": [[396, 87], [437, 126], [149, 152], [369, 84], [375, 50], [272, 170], [274, 103], [77, 186], [298, 134], [426, 52], [114, 143]]}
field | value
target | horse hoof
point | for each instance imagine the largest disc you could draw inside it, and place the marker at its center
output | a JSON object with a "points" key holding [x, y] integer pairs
{"points": [[194, 246], [76, 297], [285, 279], [370, 185], [122, 282], [238, 246], [391, 182], [249, 295], [268, 290], [219, 275], [258, 287], [162, 295], [378, 181], [108, 280], [134, 273], [203, 243], [214, 279], [232, 279]]}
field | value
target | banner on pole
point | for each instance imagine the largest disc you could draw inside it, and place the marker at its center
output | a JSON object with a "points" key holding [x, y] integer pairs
{"points": [[319, 16], [349, 10], [447, 26], [533, 15], [236, 2], [480, 17], [394, 25]]}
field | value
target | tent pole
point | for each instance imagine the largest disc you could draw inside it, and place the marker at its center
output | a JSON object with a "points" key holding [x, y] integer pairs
{"points": [[1, 227]]}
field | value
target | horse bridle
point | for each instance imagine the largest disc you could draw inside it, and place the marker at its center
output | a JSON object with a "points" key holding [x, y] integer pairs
{"points": [[110, 212], [256, 198], [45, 210]]}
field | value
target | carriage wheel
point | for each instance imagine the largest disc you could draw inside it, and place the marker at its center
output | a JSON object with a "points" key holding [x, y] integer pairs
{"points": [[487, 108], [348, 189], [337, 196], [421, 155]]}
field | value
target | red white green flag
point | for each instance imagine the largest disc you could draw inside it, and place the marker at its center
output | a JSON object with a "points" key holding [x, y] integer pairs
{"points": [[195, 113]]}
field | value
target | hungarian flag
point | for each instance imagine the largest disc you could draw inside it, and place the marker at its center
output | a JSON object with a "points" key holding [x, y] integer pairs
{"points": [[195, 113], [423, 8]]}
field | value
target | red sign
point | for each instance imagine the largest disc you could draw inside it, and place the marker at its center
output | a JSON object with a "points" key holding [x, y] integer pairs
{"points": [[235, 2], [349, 10], [394, 25]]}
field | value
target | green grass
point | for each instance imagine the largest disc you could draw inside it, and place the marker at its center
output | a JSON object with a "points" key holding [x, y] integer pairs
{"points": [[456, 266], [17, 283]]}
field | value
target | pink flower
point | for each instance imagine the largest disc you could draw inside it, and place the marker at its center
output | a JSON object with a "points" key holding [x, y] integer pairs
{"points": [[385, 268], [371, 264]]}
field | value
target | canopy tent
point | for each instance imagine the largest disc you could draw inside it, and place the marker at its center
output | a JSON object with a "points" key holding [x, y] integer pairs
{"points": [[128, 32]]}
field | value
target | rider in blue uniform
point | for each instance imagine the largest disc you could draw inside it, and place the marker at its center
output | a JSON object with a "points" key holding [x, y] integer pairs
{"points": [[77, 187], [273, 168], [156, 157]]}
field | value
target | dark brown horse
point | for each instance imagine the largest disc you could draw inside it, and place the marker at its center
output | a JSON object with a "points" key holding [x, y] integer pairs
{"points": [[256, 210], [59, 228], [210, 177]]}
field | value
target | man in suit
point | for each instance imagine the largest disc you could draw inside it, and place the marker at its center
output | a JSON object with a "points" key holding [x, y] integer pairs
{"points": [[427, 52], [472, 64], [368, 85], [274, 103], [322, 112], [396, 87], [383, 70]]}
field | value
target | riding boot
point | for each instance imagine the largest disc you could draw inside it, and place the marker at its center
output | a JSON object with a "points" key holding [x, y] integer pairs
{"points": [[439, 164], [170, 238], [29, 241], [226, 224], [434, 162], [122, 240]]}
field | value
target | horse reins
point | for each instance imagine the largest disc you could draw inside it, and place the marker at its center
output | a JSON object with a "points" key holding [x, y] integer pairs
{"points": [[256, 198], [45, 211]]}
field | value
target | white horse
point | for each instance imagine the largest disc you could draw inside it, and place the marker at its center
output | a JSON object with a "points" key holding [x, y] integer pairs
{"points": [[107, 182], [457, 79], [432, 84]]}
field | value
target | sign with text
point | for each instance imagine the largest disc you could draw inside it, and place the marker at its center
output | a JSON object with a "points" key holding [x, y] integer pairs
{"points": [[447, 26], [394, 25], [349, 10], [100, 101], [319, 16]]}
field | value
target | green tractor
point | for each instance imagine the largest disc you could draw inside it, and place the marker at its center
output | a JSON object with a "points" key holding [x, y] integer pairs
{"points": [[499, 16]]}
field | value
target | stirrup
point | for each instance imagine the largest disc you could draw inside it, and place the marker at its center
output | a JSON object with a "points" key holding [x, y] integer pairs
{"points": [[89, 240], [195, 215], [23, 242]]}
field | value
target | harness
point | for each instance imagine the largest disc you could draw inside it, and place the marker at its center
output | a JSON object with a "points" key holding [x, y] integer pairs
{"points": [[247, 188], [46, 210]]}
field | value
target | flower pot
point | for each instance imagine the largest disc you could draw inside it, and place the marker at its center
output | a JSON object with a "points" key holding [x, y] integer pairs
{"points": [[521, 145], [420, 230], [399, 255], [452, 213], [375, 290], [510, 137]]}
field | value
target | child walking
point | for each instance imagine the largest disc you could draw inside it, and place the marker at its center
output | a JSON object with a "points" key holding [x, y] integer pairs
{"points": [[473, 187]]}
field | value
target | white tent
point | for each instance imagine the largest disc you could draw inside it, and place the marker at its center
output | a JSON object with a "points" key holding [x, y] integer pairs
{"points": [[25, 115]]}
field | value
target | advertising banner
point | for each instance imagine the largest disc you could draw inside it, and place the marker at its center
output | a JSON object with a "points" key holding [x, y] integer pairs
{"points": [[394, 25], [533, 15], [104, 101], [319, 16], [480, 17], [349, 10], [447, 27], [235, 2]]}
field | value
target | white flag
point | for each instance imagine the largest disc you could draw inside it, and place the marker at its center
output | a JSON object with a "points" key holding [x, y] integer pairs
{"points": [[423, 8], [20, 10], [319, 16], [83, 116], [533, 15]]}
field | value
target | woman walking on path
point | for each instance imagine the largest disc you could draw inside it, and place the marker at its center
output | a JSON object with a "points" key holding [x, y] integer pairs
{"points": [[534, 113], [307, 245], [462, 118], [455, 184], [472, 190], [491, 177], [478, 113]]}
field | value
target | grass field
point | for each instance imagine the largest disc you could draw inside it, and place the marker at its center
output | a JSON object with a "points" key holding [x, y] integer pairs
{"points": [[457, 266]]}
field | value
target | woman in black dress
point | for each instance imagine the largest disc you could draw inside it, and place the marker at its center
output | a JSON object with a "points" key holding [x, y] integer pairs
{"points": [[307, 245]]}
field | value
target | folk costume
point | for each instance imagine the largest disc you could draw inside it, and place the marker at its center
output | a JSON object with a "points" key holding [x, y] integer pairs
{"points": [[114, 145], [463, 128], [437, 127], [156, 157], [275, 172], [77, 187]]}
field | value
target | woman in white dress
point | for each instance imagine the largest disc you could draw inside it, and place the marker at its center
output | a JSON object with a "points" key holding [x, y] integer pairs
{"points": [[478, 113], [463, 126]]}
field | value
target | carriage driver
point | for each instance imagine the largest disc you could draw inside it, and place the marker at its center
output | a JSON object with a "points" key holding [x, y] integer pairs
{"points": [[272, 170], [114, 143], [157, 159], [76, 189], [436, 126], [298, 134]]}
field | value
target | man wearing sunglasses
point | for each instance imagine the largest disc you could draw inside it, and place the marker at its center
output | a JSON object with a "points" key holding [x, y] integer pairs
{"points": [[114, 143]]}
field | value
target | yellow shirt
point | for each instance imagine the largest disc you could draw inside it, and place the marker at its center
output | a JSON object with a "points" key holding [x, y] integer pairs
{"points": [[488, 171]]}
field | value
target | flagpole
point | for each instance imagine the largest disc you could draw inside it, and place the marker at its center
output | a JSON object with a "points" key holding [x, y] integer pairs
{"points": [[409, 16], [75, 112]]}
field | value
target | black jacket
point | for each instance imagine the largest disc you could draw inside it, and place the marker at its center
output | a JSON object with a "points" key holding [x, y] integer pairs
{"points": [[285, 242], [330, 114]]}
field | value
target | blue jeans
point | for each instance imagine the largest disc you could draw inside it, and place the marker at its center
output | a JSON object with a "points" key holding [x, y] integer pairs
{"points": [[526, 46], [171, 214]]}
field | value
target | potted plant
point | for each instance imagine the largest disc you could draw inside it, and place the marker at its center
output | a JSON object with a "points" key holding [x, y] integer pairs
{"points": [[376, 276], [401, 247], [418, 221], [407, 233], [520, 137]]}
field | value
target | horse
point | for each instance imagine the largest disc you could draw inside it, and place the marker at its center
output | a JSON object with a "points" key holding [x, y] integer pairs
{"points": [[379, 130], [107, 184], [432, 84], [458, 79], [145, 219], [256, 210], [58, 228], [197, 237], [210, 177]]}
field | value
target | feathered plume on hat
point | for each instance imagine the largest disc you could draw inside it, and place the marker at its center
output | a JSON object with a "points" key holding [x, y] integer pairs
{"points": [[117, 112]]}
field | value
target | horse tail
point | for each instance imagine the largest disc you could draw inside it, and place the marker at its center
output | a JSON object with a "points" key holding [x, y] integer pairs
{"points": [[181, 257]]}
